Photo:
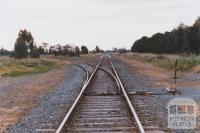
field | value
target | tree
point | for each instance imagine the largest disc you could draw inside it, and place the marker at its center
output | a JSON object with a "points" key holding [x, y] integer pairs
{"points": [[77, 51], [66, 49], [21, 49], [122, 50], [97, 50], [23, 44], [27, 37], [4, 52], [84, 50], [197, 22], [182, 40], [35, 53], [58, 50], [44, 46], [194, 39], [41, 50], [74, 51], [179, 39], [114, 49]]}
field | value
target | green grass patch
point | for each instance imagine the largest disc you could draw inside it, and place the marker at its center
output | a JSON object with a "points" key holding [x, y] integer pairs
{"points": [[19, 67]]}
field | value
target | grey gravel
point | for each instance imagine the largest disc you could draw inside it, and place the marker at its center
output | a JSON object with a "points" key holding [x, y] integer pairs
{"points": [[152, 109], [51, 111], [192, 76]]}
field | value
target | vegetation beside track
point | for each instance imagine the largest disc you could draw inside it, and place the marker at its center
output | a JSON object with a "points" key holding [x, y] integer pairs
{"points": [[185, 63], [18, 67]]}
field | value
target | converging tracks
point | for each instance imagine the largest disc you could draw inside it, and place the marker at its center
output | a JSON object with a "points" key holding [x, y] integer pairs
{"points": [[102, 105]]}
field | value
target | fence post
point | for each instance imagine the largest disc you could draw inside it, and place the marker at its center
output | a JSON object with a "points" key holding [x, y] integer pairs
{"points": [[175, 73]]}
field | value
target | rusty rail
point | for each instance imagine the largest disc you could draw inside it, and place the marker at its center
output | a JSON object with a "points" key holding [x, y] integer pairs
{"points": [[112, 75], [139, 124], [77, 99]]}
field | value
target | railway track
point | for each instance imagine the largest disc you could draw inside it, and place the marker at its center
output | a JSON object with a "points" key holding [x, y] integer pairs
{"points": [[102, 104]]}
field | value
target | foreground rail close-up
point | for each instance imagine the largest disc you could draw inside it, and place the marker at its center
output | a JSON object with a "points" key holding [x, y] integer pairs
{"points": [[103, 105]]}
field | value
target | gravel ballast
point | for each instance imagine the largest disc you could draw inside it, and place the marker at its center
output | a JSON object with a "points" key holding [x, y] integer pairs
{"points": [[53, 107], [152, 109]]}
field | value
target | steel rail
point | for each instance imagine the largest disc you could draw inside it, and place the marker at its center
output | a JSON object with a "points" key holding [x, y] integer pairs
{"points": [[139, 124], [77, 99], [112, 75], [87, 73]]}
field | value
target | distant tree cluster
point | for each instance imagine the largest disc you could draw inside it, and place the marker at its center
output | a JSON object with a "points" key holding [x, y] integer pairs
{"points": [[25, 46], [59, 50], [182, 40], [4, 52], [97, 50], [120, 51], [84, 50], [71, 50]]}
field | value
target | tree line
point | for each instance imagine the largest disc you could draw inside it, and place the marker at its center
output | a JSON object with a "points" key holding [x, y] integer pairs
{"points": [[4, 52], [182, 40], [25, 46]]}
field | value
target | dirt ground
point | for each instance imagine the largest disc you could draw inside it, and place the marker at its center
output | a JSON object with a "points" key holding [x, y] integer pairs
{"points": [[19, 95], [162, 77]]}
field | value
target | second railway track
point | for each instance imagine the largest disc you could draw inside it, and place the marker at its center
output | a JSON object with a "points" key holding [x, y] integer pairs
{"points": [[100, 107]]}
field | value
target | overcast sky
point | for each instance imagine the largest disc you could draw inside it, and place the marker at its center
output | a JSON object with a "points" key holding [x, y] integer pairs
{"points": [[107, 23]]}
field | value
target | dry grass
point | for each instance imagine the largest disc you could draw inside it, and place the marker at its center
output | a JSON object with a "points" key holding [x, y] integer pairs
{"points": [[185, 63], [197, 69], [18, 67]]}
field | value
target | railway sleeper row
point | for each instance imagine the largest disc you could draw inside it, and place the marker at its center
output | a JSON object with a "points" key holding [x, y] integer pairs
{"points": [[102, 109]]}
